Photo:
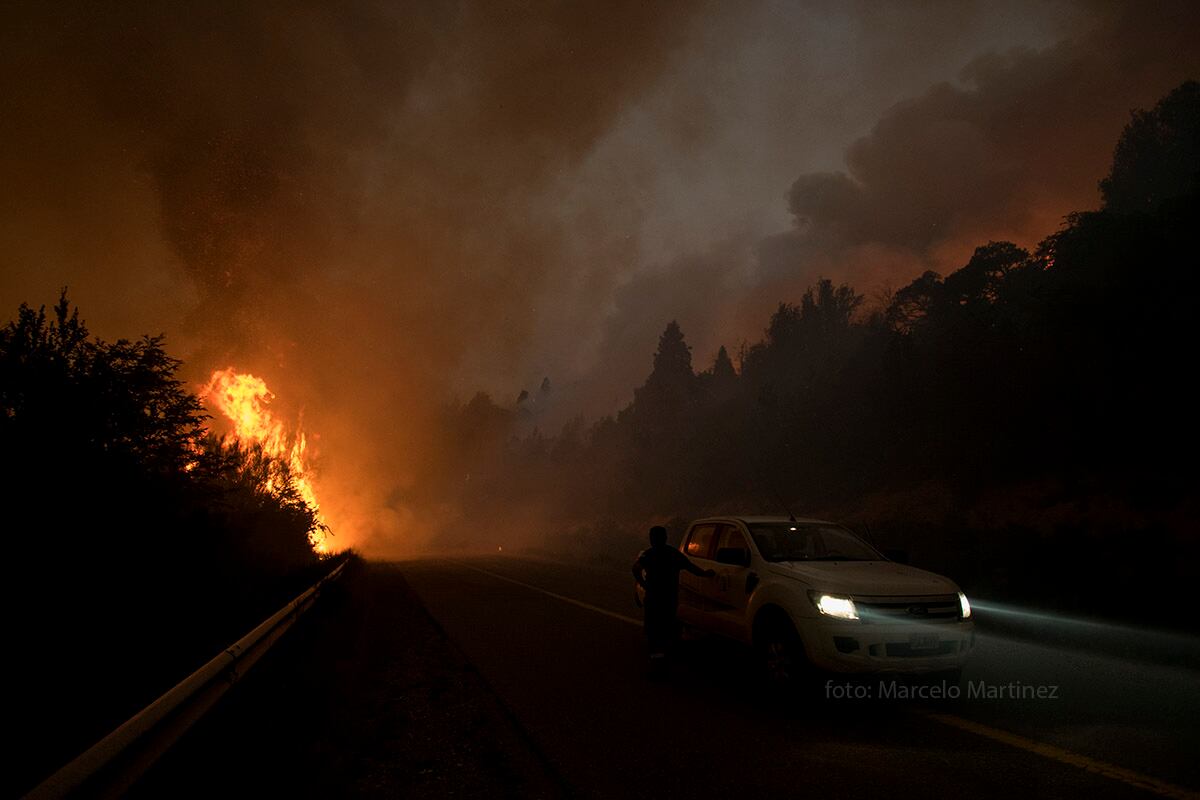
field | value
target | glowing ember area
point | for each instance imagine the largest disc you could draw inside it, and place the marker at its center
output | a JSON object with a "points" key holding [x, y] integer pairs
{"points": [[244, 400]]}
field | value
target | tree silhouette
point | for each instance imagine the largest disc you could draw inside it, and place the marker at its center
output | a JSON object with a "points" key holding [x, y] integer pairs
{"points": [[661, 402], [982, 279], [722, 368], [660, 420], [74, 394], [719, 382], [1157, 156], [912, 305], [672, 370]]}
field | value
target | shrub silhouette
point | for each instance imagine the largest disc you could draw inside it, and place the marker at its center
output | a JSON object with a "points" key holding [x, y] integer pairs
{"points": [[138, 544]]}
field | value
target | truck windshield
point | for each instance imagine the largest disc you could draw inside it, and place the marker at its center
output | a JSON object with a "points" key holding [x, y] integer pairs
{"points": [[799, 541]]}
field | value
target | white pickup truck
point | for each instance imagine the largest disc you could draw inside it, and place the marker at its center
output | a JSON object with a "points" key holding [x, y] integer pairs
{"points": [[808, 593]]}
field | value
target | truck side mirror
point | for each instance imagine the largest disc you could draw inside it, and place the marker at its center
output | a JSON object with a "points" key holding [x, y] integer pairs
{"points": [[735, 556]]}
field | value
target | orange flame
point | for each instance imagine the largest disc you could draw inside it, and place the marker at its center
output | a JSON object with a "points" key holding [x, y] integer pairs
{"points": [[243, 399]]}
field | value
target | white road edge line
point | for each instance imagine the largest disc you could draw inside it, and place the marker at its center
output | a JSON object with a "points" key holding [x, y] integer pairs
{"points": [[1111, 771], [555, 595]]}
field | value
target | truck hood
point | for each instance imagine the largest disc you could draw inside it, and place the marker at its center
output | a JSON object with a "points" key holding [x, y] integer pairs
{"points": [[864, 577]]}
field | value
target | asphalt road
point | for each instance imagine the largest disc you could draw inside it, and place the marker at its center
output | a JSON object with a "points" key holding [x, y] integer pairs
{"points": [[562, 649]]}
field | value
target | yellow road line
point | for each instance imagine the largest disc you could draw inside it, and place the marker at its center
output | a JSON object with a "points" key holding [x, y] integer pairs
{"points": [[1126, 776], [556, 596], [1111, 771]]}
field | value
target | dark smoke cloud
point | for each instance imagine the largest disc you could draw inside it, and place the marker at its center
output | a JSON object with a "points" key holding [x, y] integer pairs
{"points": [[334, 195], [1021, 140], [382, 206], [1011, 140]]}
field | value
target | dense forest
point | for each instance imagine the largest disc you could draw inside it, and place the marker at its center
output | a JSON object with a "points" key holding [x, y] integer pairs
{"points": [[1026, 422]]}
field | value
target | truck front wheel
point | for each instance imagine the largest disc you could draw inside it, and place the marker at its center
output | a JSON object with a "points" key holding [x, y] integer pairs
{"points": [[781, 652]]}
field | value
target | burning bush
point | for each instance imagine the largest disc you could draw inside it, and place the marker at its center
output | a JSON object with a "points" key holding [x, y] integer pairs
{"points": [[262, 450]]}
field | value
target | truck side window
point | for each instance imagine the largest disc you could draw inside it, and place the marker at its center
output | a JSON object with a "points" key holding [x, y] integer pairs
{"points": [[700, 542], [732, 539]]}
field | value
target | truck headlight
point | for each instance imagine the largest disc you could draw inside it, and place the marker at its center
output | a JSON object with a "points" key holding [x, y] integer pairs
{"points": [[965, 605], [833, 606]]}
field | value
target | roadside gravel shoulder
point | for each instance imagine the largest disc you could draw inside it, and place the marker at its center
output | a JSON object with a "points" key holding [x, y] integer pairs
{"points": [[365, 698]]}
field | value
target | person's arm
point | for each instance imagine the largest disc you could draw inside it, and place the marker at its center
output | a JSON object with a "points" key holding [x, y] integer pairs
{"points": [[637, 572], [692, 568]]}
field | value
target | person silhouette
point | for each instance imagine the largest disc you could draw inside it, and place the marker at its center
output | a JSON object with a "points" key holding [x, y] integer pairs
{"points": [[657, 570]]}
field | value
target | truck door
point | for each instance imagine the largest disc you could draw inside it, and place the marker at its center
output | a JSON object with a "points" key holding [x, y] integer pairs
{"points": [[696, 601], [732, 564]]}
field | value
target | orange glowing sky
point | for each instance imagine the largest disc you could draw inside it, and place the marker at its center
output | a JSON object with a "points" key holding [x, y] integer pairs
{"points": [[379, 209]]}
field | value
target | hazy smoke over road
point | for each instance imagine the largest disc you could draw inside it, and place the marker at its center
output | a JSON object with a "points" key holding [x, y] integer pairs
{"points": [[382, 207]]}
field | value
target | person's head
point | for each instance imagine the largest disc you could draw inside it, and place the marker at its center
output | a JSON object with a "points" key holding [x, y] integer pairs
{"points": [[658, 535]]}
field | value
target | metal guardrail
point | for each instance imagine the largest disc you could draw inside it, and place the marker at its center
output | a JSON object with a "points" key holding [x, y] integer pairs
{"points": [[109, 767]]}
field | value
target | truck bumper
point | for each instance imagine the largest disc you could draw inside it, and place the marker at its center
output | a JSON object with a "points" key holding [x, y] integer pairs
{"points": [[852, 647]]}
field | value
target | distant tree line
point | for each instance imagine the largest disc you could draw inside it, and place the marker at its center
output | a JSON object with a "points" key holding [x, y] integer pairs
{"points": [[1069, 366]]}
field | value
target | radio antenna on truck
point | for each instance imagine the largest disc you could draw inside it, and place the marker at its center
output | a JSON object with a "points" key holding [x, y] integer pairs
{"points": [[783, 504]]}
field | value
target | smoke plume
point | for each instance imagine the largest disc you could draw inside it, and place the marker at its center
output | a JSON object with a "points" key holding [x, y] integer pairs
{"points": [[382, 207]]}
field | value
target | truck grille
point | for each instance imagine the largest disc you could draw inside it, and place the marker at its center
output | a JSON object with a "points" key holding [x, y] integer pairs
{"points": [[908, 610], [902, 650]]}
